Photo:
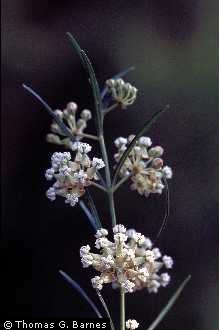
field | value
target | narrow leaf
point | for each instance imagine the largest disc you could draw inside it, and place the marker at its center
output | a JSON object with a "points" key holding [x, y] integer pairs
{"points": [[51, 112], [92, 79], [117, 76], [93, 209], [105, 308], [142, 131], [170, 303], [89, 215], [167, 210], [78, 288]]}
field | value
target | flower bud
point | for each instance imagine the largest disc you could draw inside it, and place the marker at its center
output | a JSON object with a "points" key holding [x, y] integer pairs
{"points": [[52, 138], [156, 151], [59, 113], [72, 107], [157, 163], [86, 114]]}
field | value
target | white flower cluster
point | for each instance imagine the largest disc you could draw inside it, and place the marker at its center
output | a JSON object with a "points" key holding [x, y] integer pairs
{"points": [[129, 262], [72, 176], [75, 126], [144, 164], [121, 92], [132, 324]]}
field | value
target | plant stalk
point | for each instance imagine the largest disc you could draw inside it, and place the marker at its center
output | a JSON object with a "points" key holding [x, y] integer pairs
{"points": [[122, 309], [109, 190]]}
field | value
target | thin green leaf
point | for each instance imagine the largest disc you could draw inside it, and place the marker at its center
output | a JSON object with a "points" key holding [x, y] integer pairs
{"points": [[142, 131], [51, 112], [170, 303], [117, 76], [93, 209], [105, 308], [167, 210], [89, 215], [92, 79], [77, 287]]}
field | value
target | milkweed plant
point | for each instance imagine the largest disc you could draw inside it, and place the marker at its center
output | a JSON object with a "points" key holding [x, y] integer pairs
{"points": [[125, 259]]}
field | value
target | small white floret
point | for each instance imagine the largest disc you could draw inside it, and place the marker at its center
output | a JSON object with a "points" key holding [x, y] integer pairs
{"points": [[132, 324]]}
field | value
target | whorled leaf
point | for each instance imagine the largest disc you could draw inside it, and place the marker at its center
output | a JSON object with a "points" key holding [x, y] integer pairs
{"points": [[167, 210], [131, 145], [92, 79], [93, 209], [90, 217], [51, 112], [105, 308], [77, 287], [168, 306]]}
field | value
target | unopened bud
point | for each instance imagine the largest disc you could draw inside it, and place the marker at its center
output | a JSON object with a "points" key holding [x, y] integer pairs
{"points": [[72, 107], [155, 151], [52, 138], [86, 114], [157, 163]]}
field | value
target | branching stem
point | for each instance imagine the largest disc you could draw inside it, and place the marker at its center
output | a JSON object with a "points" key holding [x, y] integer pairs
{"points": [[121, 182]]}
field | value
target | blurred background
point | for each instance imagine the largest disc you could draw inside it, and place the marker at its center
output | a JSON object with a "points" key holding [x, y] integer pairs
{"points": [[174, 46]]}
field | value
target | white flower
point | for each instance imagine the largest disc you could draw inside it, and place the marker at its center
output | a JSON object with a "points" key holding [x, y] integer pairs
{"points": [[51, 194], [101, 242], [80, 176], [143, 274], [72, 199], [72, 176], [98, 163], [60, 158], [120, 238], [167, 172], [84, 250], [97, 282], [87, 260], [131, 233], [168, 262], [124, 263], [82, 147], [132, 324], [145, 141], [150, 256], [119, 142], [49, 174], [164, 279], [101, 233], [147, 243], [139, 238], [157, 253], [143, 165], [119, 229], [153, 286], [128, 286]]}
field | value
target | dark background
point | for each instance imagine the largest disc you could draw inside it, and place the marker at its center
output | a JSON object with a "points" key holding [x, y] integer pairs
{"points": [[173, 45]]}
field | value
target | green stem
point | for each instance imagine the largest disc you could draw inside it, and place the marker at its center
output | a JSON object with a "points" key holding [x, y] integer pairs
{"points": [[107, 110], [121, 182], [108, 179], [97, 185], [122, 309], [112, 206]]}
